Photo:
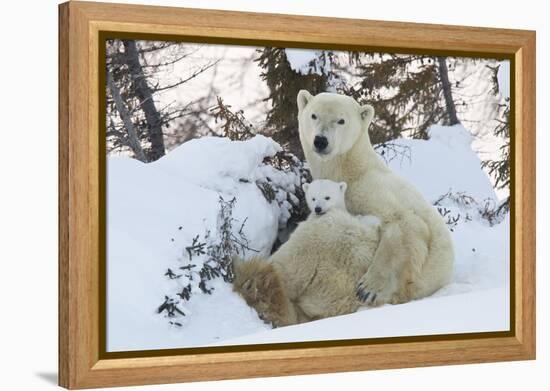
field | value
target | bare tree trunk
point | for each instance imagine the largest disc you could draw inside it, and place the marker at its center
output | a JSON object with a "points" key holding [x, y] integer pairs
{"points": [[133, 140], [145, 96], [447, 93]]}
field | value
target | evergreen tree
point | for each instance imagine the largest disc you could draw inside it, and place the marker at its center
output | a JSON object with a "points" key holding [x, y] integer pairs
{"points": [[284, 84], [409, 93], [500, 169]]}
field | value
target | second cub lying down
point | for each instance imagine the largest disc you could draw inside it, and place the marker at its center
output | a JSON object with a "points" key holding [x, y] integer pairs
{"points": [[314, 274]]}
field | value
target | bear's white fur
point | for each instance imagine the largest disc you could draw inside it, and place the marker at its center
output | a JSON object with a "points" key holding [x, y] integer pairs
{"points": [[415, 256], [314, 274], [323, 195]]}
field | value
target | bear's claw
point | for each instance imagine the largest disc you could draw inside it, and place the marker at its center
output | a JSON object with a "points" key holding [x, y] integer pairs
{"points": [[364, 296]]}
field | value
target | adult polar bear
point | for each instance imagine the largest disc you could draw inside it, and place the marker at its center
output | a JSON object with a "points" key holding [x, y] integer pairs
{"points": [[418, 259]]}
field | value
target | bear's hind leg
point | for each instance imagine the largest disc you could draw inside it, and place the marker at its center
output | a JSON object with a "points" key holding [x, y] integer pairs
{"points": [[259, 283]]}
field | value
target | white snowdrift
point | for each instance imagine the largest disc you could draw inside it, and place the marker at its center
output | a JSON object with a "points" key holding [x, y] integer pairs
{"points": [[439, 315], [148, 203], [445, 162]]}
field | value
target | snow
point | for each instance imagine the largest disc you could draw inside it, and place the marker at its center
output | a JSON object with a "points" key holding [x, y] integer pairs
{"points": [[443, 315], [446, 162], [147, 203], [233, 160], [483, 107]]}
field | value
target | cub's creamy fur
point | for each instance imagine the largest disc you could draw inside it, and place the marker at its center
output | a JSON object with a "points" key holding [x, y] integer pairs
{"points": [[415, 256], [314, 274], [323, 195]]}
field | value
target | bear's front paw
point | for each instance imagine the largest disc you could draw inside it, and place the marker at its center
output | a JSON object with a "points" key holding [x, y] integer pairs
{"points": [[374, 291]]}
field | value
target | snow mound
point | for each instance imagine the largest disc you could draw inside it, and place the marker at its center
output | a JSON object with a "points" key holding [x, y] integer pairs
{"points": [[460, 313], [451, 136], [148, 203], [445, 162], [217, 157], [153, 211]]}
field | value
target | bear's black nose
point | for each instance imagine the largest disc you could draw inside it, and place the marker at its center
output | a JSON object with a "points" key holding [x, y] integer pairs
{"points": [[318, 209], [320, 143]]}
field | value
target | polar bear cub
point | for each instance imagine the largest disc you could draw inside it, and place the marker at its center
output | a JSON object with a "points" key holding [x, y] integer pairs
{"points": [[311, 276], [324, 195], [315, 273]]}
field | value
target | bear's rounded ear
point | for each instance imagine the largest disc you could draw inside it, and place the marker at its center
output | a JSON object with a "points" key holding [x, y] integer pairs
{"points": [[303, 99], [367, 114], [343, 186], [305, 186]]}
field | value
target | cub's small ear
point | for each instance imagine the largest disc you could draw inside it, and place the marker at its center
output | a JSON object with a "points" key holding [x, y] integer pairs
{"points": [[303, 99], [343, 186], [305, 186], [367, 114]]}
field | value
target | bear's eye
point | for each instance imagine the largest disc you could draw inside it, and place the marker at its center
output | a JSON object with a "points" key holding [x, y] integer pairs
{"points": [[327, 198], [313, 199], [313, 116], [341, 122]]}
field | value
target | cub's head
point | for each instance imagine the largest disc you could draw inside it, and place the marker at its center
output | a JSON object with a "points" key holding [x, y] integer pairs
{"points": [[330, 124], [323, 195]]}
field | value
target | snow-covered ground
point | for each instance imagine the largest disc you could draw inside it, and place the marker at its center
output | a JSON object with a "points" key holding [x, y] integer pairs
{"points": [[155, 210]]}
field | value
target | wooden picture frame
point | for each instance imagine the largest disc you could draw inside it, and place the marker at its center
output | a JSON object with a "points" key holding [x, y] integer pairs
{"points": [[82, 361]]}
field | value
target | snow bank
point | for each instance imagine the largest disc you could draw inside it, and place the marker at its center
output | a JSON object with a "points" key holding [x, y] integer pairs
{"points": [[445, 162], [146, 206], [462, 313], [201, 160], [148, 203]]}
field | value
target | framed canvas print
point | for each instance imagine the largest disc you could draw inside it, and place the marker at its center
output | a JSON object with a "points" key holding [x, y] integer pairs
{"points": [[255, 195]]}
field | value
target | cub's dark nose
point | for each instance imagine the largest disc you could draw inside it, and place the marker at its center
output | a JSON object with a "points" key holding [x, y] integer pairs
{"points": [[320, 143], [318, 210]]}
